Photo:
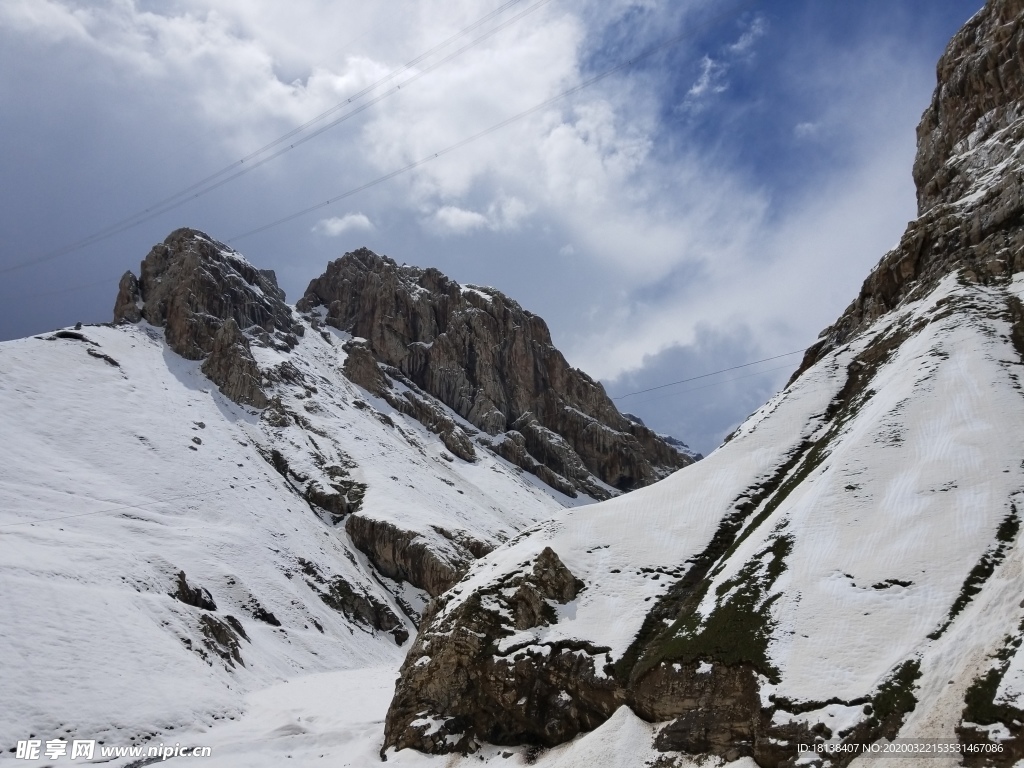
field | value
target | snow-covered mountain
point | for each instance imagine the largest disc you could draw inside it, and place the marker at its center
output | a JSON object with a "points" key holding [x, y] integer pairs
{"points": [[847, 568], [198, 501], [223, 518]]}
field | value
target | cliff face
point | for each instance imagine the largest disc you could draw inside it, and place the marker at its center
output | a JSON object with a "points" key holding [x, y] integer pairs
{"points": [[211, 303], [970, 190], [804, 583], [493, 363], [446, 357]]}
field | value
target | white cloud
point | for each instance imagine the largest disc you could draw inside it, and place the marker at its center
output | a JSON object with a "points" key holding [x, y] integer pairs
{"points": [[806, 130], [711, 80], [451, 219], [505, 214], [757, 29], [335, 226], [656, 234]]}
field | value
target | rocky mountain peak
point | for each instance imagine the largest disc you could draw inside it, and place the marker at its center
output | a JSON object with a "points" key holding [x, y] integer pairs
{"points": [[209, 299], [968, 172], [979, 93], [493, 363]]}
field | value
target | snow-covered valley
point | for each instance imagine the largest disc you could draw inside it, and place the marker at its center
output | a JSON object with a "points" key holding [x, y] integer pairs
{"points": [[363, 527]]}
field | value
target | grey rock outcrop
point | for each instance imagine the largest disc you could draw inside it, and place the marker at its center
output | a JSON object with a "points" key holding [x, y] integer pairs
{"points": [[192, 286], [194, 595], [407, 555], [968, 172], [128, 304], [231, 366], [360, 367], [491, 693], [356, 604], [493, 363]]}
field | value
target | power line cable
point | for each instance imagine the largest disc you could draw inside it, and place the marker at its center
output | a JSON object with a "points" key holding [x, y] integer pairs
{"points": [[713, 373], [120, 507], [332, 124], [716, 383], [504, 123], [206, 185]]}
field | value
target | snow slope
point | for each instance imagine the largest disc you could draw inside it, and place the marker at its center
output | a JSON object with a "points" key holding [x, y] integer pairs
{"points": [[878, 497], [122, 466]]}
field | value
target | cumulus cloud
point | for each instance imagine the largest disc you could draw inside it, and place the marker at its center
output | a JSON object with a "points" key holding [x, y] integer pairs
{"points": [[503, 215], [335, 225], [457, 220], [642, 243]]}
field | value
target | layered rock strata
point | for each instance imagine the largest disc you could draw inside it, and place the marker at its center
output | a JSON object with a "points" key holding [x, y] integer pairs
{"points": [[493, 363], [210, 302]]}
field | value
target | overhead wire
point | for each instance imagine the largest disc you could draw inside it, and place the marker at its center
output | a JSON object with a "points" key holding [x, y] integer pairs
{"points": [[712, 373], [120, 507], [667, 43], [207, 185], [715, 384]]}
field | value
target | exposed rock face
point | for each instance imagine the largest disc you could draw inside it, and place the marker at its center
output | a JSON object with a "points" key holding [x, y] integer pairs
{"points": [[231, 366], [492, 692], [472, 677], [407, 556], [493, 363], [355, 604], [128, 305], [191, 285], [980, 85], [362, 368], [969, 186], [513, 448], [197, 597]]}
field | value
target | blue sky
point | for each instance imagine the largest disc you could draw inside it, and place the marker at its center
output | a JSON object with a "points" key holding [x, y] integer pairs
{"points": [[719, 202]]}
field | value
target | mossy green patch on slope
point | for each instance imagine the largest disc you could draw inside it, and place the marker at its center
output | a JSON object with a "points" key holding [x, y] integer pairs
{"points": [[980, 699], [981, 743], [895, 696], [985, 567], [738, 629], [752, 509]]}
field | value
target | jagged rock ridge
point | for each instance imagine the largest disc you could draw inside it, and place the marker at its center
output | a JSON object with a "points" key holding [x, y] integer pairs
{"points": [[214, 306], [211, 303], [802, 584], [493, 363], [210, 543], [970, 203]]}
